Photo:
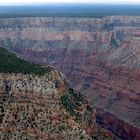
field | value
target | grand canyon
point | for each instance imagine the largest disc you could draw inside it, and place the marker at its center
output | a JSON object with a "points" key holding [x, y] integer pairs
{"points": [[99, 56], [37, 103]]}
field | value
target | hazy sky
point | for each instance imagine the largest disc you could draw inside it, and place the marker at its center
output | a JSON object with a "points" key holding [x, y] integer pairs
{"points": [[69, 1]]}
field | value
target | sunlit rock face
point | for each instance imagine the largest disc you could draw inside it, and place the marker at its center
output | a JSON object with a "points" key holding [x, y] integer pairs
{"points": [[100, 57]]}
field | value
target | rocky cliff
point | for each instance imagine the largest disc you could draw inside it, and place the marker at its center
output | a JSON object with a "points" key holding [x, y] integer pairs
{"points": [[39, 104], [31, 108], [100, 57]]}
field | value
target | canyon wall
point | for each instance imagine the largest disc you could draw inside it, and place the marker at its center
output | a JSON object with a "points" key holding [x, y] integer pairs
{"points": [[31, 107], [100, 57]]}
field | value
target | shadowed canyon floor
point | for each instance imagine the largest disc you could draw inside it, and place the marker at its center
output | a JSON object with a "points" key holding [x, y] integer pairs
{"points": [[100, 57]]}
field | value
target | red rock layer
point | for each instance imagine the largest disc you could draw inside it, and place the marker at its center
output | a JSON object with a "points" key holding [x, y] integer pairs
{"points": [[31, 108], [106, 119], [100, 57]]}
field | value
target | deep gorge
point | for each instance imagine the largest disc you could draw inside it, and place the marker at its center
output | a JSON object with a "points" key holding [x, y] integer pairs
{"points": [[100, 57]]}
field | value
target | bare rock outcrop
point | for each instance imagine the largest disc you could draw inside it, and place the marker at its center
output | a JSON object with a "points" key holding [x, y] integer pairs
{"points": [[31, 108]]}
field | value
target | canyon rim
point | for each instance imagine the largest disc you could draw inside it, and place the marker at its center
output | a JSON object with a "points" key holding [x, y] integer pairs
{"points": [[100, 56]]}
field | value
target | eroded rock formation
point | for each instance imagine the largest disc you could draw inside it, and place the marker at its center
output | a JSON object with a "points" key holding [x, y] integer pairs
{"points": [[31, 108], [100, 57]]}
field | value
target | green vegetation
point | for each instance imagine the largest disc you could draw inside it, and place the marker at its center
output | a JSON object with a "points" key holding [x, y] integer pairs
{"points": [[78, 97], [67, 104], [9, 63], [72, 101]]}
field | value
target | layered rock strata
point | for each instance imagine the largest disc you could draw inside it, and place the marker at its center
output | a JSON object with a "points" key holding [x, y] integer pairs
{"points": [[31, 108], [100, 57]]}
